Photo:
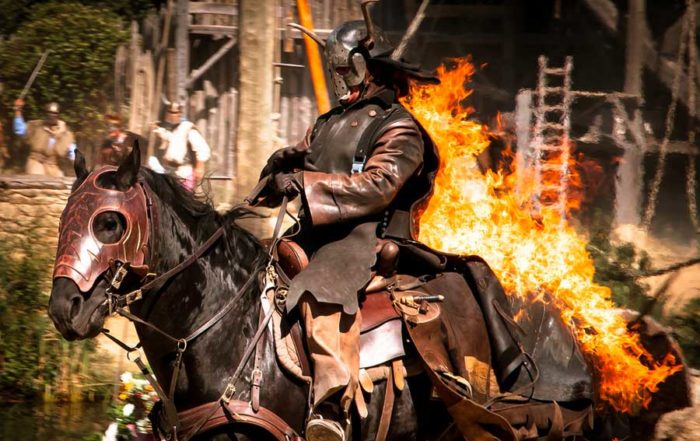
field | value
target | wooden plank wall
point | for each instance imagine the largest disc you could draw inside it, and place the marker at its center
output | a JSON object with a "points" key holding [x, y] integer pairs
{"points": [[213, 104], [297, 106]]}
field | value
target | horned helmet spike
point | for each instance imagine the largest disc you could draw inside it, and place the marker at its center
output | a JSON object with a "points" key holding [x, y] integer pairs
{"points": [[369, 23], [308, 32]]}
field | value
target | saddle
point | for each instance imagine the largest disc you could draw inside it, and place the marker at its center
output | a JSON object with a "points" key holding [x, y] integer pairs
{"points": [[468, 386], [381, 329]]}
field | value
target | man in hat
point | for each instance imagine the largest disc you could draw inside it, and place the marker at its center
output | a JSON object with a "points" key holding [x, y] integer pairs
{"points": [[118, 142], [50, 140], [185, 151], [114, 146], [359, 171]]}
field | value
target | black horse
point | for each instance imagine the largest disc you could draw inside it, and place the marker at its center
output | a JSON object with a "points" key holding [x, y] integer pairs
{"points": [[198, 293]]}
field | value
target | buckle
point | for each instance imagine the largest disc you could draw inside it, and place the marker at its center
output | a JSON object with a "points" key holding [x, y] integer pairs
{"points": [[228, 393], [133, 297], [119, 276], [256, 377], [357, 167]]}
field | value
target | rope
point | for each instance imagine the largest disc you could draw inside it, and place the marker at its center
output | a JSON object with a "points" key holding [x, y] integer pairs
{"points": [[692, 73], [670, 122]]}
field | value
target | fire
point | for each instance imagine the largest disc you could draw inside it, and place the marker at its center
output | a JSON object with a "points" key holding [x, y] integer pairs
{"points": [[478, 213]]}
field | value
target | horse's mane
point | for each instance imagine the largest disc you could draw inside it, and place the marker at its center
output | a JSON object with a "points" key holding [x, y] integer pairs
{"points": [[198, 206]]}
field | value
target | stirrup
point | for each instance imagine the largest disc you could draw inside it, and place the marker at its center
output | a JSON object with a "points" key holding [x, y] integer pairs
{"points": [[320, 429]]}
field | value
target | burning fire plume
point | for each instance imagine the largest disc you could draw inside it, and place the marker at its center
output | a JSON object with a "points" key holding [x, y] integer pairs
{"points": [[472, 212]]}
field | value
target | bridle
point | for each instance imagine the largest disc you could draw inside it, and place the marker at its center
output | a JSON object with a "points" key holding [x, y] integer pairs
{"points": [[150, 284]]}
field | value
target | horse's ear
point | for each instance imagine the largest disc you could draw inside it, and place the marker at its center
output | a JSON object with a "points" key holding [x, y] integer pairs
{"points": [[79, 166], [128, 169]]}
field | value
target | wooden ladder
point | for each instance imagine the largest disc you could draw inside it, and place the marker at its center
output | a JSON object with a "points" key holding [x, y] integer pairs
{"points": [[550, 145]]}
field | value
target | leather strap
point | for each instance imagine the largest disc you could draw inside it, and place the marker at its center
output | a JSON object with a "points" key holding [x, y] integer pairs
{"points": [[297, 339], [237, 412], [473, 421], [365, 145], [387, 408], [256, 374]]}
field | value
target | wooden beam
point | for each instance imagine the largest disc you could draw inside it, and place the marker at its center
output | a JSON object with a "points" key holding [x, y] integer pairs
{"points": [[212, 29], [182, 47], [663, 67], [461, 11], [677, 147], [606, 11], [629, 179], [255, 129], [216, 56], [213, 8]]}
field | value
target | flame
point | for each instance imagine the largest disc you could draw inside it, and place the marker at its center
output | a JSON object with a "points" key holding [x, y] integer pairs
{"points": [[538, 257]]}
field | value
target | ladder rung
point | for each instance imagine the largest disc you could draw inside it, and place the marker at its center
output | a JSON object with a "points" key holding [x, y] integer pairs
{"points": [[549, 147], [551, 187], [552, 167], [552, 125], [554, 89], [552, 108], [555, 71]]}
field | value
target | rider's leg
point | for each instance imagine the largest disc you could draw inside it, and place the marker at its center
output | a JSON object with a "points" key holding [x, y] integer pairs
{"points": [[333, 339]]}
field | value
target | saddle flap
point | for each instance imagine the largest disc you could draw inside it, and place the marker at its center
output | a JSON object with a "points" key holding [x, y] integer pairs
{"points": [[381, 344], [377, 309]]}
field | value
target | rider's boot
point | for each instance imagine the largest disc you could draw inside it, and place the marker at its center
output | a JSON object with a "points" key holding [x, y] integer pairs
{"points": [[333, 340], [327, 423]]}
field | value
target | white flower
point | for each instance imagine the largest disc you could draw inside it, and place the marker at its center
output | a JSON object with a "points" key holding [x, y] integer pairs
{"points": [[126, 377], [128, 409], [110, 433]]}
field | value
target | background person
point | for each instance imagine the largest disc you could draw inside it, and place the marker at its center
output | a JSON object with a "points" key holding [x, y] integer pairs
{"points": [[185, 151], [50, 140]]}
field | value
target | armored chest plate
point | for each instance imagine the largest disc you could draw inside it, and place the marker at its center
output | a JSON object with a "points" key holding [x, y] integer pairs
{"points": [[335, 140]]}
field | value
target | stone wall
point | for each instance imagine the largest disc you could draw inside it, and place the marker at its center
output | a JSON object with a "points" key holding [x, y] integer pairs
{"points": [[30, 206]]}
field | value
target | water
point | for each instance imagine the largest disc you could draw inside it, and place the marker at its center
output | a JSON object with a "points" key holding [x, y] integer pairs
{"points": [[52, 421]]}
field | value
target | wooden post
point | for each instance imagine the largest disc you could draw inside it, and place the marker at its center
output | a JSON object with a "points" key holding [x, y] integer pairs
{"points": [[182, 47], [318, 76], [255, 134], [160, 73], [171, 89], [628, 183]]}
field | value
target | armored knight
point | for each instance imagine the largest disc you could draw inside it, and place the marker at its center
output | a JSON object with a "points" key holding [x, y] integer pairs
{"points": [[363, 173], [359, 170]]}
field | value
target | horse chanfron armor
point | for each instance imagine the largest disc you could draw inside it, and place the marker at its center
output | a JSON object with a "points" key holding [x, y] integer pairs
{"points": [[81, 256]]}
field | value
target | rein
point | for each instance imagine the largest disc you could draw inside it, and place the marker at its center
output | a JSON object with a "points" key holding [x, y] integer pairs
{"points": [[117, 302]]}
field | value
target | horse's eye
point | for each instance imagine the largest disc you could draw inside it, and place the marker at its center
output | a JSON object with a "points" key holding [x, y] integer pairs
{"points": [[109, 227]]}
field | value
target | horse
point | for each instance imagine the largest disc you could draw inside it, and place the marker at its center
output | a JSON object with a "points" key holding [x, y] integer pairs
{"points": [[198, 326], [194, 295]]}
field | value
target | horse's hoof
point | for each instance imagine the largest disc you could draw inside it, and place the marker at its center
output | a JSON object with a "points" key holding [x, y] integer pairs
{"points": [[319, 429]]}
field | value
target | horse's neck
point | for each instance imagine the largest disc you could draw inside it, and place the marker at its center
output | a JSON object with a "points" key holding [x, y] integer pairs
{"points": [[200, 291]]}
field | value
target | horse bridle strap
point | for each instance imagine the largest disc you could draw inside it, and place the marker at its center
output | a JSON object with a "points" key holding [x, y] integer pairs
{"points": [[158, 282], [117, 304], [240, 412]]}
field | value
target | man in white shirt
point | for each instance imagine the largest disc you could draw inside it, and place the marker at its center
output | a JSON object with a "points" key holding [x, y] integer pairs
{"points": [[185, 149]]}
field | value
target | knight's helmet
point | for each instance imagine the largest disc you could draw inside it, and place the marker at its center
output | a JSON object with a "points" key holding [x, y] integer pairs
{"points": [[350, 47]]}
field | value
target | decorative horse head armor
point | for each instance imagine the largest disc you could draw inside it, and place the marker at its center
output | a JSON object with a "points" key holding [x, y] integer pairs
{"points": [[81, 256]]}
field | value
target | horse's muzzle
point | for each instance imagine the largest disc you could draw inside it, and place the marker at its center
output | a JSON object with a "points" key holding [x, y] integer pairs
{"points": [[77, 315]]}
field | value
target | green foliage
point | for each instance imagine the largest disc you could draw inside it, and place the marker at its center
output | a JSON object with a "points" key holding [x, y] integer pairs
{"points": [[21, 327], [616, 267], [686, 330], [34, 359], [16, 12], [77, 72]]}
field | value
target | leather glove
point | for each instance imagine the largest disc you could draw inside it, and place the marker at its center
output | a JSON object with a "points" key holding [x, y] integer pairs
{"points": [[284, 159], [287, 184]]}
